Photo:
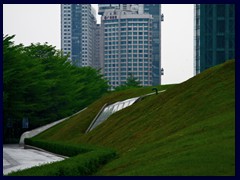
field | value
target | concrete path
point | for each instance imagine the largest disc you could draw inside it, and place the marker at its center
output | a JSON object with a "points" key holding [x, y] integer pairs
{"points": [[16, 158]]}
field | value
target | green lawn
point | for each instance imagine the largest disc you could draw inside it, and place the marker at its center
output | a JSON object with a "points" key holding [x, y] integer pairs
{"points": [[187, 130]]}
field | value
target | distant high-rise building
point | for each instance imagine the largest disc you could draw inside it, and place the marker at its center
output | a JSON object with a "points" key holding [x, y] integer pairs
{"points": [[214, 35], [155, 11], [101, 48], [127, 46], [138, 8], [97, 44], [103, 7], [78, 25]]}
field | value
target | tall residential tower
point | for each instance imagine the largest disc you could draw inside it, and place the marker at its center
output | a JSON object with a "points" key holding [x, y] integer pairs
{"points": [[127, 46], [154, 10]]}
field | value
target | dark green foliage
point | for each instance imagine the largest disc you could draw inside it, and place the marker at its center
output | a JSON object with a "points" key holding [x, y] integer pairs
{"points": [[132, 82], [64, 149], [78, 164], [39, 83]]}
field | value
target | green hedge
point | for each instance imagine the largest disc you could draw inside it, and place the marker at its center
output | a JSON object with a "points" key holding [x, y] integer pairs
{"points": [[64, 149], [88, 160], [80, 165]]}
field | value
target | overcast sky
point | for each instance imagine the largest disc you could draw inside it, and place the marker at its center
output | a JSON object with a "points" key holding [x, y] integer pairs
{"points": [[32, 23]]}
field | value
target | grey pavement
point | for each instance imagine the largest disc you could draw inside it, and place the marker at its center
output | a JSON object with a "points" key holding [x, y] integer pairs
{"points": [[17, 158]]}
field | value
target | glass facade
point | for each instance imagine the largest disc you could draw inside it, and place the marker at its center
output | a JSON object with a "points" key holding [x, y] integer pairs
{"points": [[78, 31], [107, 111], [76, 53], [155, 11], [214, 35]]}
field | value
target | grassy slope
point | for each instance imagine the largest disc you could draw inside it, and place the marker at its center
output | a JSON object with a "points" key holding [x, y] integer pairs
{"points": [[187, 130], [75, 127]]}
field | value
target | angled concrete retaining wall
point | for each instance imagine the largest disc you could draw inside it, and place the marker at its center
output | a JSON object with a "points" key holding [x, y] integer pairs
{"points": [[34, 132]]}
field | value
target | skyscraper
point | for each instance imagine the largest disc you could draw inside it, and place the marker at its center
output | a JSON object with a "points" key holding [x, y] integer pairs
{"points": [[78, 25], [214, 35], [155, 11], [138, 8], [103, 7], [97, 45], [127, 46]]}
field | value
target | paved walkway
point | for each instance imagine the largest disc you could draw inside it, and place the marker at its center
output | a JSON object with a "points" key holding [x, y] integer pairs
{"points": [[16, 158]]}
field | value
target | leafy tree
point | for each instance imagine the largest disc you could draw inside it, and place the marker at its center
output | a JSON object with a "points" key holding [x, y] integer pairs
{"points": [[39, 83], [19, 73], [131, 82]]}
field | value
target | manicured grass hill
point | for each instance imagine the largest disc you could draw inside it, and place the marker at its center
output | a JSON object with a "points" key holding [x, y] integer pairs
{"points": [[187, 130]]}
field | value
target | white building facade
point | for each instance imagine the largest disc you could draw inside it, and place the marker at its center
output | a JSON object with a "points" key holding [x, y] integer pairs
{"points": [[127, 46]]}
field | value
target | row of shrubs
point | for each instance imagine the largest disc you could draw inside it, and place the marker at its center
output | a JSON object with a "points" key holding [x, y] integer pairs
{"points": [[62, 148], [85, 163]]}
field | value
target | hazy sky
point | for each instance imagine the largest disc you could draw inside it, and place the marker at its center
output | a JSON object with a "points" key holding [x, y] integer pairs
{"points": [[32, 23]]}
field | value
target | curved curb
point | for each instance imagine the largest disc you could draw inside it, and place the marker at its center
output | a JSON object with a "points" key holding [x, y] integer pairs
{"points": [[43, 150], [34, 132]]}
